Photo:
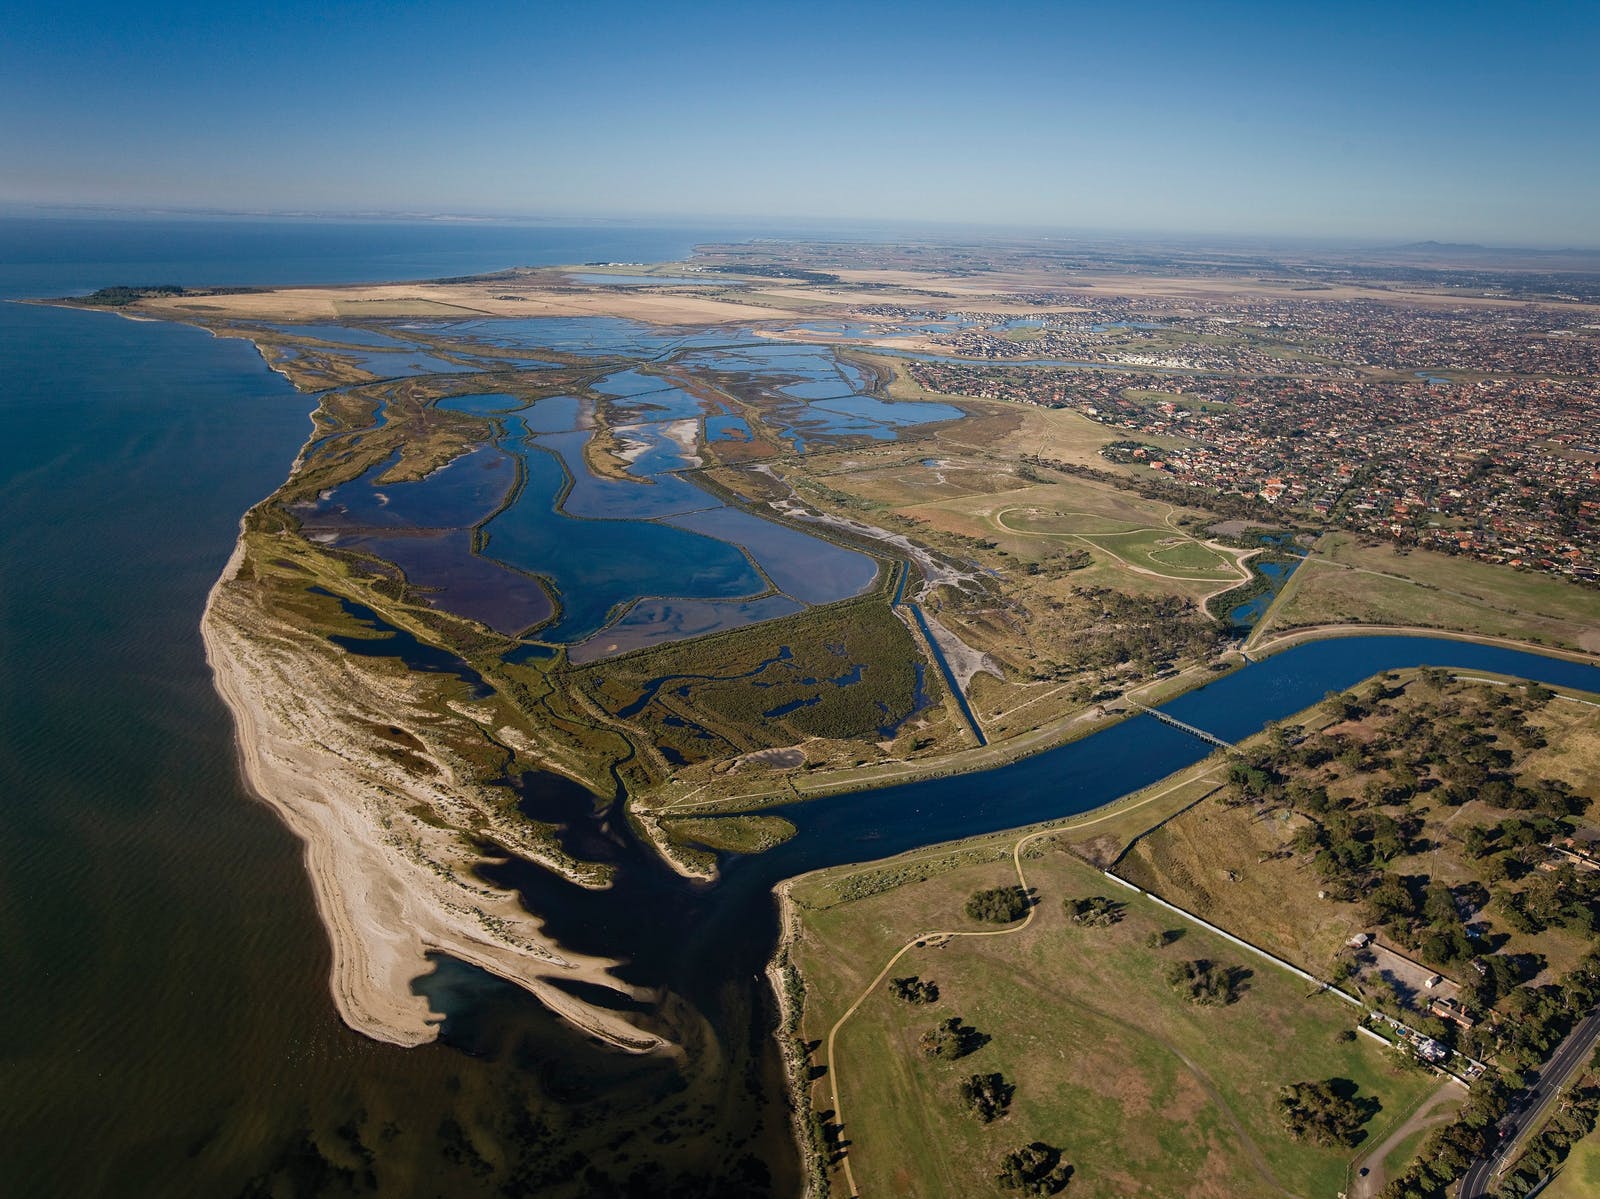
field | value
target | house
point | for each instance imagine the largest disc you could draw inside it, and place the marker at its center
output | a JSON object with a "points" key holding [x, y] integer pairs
{"points": [[1431, 1051], [1451, 1010]]}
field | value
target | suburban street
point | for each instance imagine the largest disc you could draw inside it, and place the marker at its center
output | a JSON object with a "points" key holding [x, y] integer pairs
{"points": [[1573, 1053]]}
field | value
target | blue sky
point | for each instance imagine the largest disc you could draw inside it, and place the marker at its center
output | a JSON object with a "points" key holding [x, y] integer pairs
{"points": [[1452, 121]]}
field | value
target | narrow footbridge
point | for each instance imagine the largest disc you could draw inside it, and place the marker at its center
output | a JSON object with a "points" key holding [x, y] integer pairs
{"points": [[1212, 738]]}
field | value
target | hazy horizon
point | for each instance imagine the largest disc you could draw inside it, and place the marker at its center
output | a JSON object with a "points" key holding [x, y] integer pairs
{"points": [[847, 228], [1366, 123]]}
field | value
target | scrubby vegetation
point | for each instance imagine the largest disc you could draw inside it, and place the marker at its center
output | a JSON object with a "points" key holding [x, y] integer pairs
{"points": [[120, 297], [1150, 632], [847, 672]]}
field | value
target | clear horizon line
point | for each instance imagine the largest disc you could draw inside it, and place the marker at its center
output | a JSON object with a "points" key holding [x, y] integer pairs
{"points": [[67, 210]]}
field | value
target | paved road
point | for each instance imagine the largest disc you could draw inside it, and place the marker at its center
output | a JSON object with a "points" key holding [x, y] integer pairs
{"points": [[1571, 1057]]}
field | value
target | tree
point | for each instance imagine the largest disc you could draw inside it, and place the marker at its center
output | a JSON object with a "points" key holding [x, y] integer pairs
{"points": [[950, 1038], [986, 1096], [998, 905], [913, 989], [1326, 1112], [1034, 1169]]}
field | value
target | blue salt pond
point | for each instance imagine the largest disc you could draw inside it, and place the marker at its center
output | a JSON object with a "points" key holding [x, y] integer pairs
{"points": [[890, 413], [344, 335], [597, 567], [630, 382], [808, 568], [727, 428], [403, 363], [457, 580], [599, 336], [455, 496], [666, 404], [488, 404], [554, 414], [819, 389], [595, 498]]}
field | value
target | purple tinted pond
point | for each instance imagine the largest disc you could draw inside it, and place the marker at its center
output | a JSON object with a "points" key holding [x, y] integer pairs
{"points": [[808, 568], [459, 581], [455, 496]]}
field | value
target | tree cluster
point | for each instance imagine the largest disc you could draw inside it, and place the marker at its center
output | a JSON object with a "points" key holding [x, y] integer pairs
{"points": [[952, 1039], [998, 905], [1205, 982], [1325, 1113], [1034, 1169], [986, 1096], [1096, 911]]}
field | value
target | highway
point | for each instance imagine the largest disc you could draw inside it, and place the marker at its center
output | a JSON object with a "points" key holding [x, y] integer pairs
{"points": [[1572, 1055]]}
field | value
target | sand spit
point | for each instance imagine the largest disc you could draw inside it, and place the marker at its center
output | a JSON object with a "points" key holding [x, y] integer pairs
{"points": [[393, 881], [514, 294]]}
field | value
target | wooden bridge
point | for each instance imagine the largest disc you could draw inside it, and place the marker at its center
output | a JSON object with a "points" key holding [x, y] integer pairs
{"points": [[1212, 738]]}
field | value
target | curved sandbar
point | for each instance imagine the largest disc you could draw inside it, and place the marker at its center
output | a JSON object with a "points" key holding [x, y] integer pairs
{"points": [[391, 885]]}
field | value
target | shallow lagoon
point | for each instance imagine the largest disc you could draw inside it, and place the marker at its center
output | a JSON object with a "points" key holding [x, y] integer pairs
{"points": [[455, 496], [345, 335], [486, 404], [460, 581], [808, 568]]}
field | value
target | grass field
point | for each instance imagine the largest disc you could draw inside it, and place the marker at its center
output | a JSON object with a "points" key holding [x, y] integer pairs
{"points": [[1345, 582], [1137, 545], [1167, 553], [1145, 1093], [1234, 865], [1579, 1177]]}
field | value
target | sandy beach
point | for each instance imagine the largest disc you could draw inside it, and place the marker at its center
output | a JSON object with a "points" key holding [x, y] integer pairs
{"points": [[391, 888]]}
